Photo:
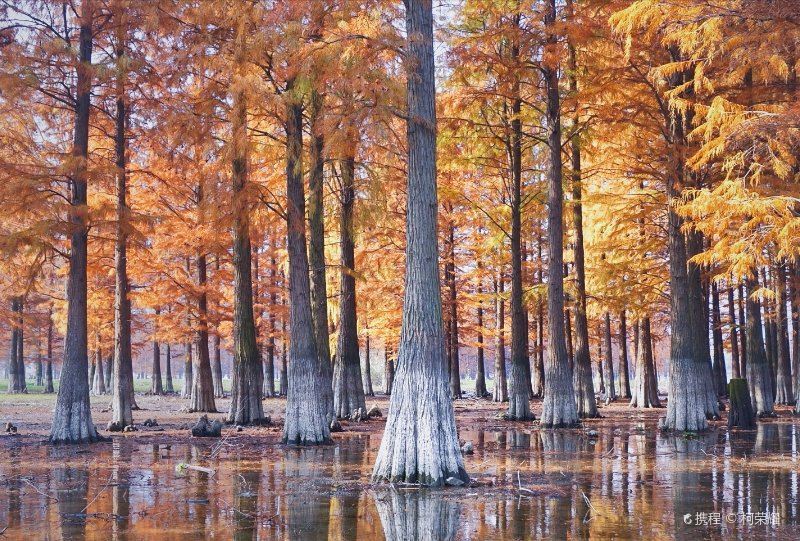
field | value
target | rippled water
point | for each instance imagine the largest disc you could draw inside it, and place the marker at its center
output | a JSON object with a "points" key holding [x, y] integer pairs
{"points": [[623, 483]]}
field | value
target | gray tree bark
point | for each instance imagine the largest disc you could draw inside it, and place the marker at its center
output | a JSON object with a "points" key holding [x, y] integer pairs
{"points": [[16, 364], [784, 393], [168, 386], [452, 336], [388, 371], [611, 386], [48, 374], [307, 409], [348, 390], [202, 398], [759, 375], [624, 373], [72, 419], [734, 333], [366, 369], [420, 443], [316, 247], [122, 378], [720, 372], [156, 384], [500, 381], [645, 387], [558, 408], [480, 377], [247, 374]]}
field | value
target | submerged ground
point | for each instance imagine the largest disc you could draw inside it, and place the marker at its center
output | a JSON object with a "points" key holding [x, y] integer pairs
{"points": [[614, 478]]}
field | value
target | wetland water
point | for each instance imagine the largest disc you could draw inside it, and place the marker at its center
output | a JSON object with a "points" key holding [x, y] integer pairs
{"points": [[628, 482]]}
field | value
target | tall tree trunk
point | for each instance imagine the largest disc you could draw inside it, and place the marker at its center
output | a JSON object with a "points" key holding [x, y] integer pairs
{"points": [[480, 377], [188, 368], [794, 294], [742, 331], [690, 372], [645, 387], [156, 385], [582, 363], [784, 394], [284, 375], [307, 409], [759, 377], [216, 362], [500, 381], [719, 371], [538, 372], [348, 390], [734, 335], [611, 386], [420, 410], [99, 379], [247, 374], [122, 378], [168, 386], [600, 370], [202, 398], [16, 372], [39, 365], [316, 248], [624, 374], [452, 305], [388, 371], [558, 409], [72, 420], [366, 369], [269, 366], [48, 374], [519, 393]]}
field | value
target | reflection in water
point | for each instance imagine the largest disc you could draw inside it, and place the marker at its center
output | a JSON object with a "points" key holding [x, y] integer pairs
{"points": [[417, 514], [625, 482]]}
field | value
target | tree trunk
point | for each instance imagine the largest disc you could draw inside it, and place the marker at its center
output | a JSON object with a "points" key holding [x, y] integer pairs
{"points": [[366, 369], [284, 375], [39, 366], [122, 378], [450, 276], [690, 372], [741, 407], [519, 393], [307, 409], [784, 393], [742, 332], [348, 390], [558, 409], [624, 375], [734, 335], [388, 371], [16, 368], [316, 249], [48, 375], [269, 366], [216, 367], [99, 379], [480, 378], [611, 386], [600, 371], [72, 420], [188, 376], [645, 386], [156, 385], [168, 387], [202, 398], [582, 363], [719, 371], [420, 443], [537, 389], [247, 373], [794, 294], [500, 381], [759, 377]]}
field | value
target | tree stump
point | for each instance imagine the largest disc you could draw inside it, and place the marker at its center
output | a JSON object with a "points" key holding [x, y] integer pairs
{"points": [[741, 407]]}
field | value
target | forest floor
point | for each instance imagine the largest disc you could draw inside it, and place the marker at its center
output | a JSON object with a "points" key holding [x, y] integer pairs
{"points": [[32, 413], [613, 477]]}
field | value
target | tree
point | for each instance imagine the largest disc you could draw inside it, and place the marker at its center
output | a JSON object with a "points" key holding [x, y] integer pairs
{"points": [[558, 409], [72, 419], [420, 409]]}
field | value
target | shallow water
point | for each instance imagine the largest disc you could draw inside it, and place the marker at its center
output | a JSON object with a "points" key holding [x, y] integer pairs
{"points": [[625, 483]]}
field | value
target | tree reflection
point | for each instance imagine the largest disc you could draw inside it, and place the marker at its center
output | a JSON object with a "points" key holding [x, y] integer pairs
{"points": [[417, 514]]}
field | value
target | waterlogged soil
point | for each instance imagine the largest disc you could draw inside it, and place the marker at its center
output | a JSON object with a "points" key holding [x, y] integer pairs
{"points": [[616, 477]]}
